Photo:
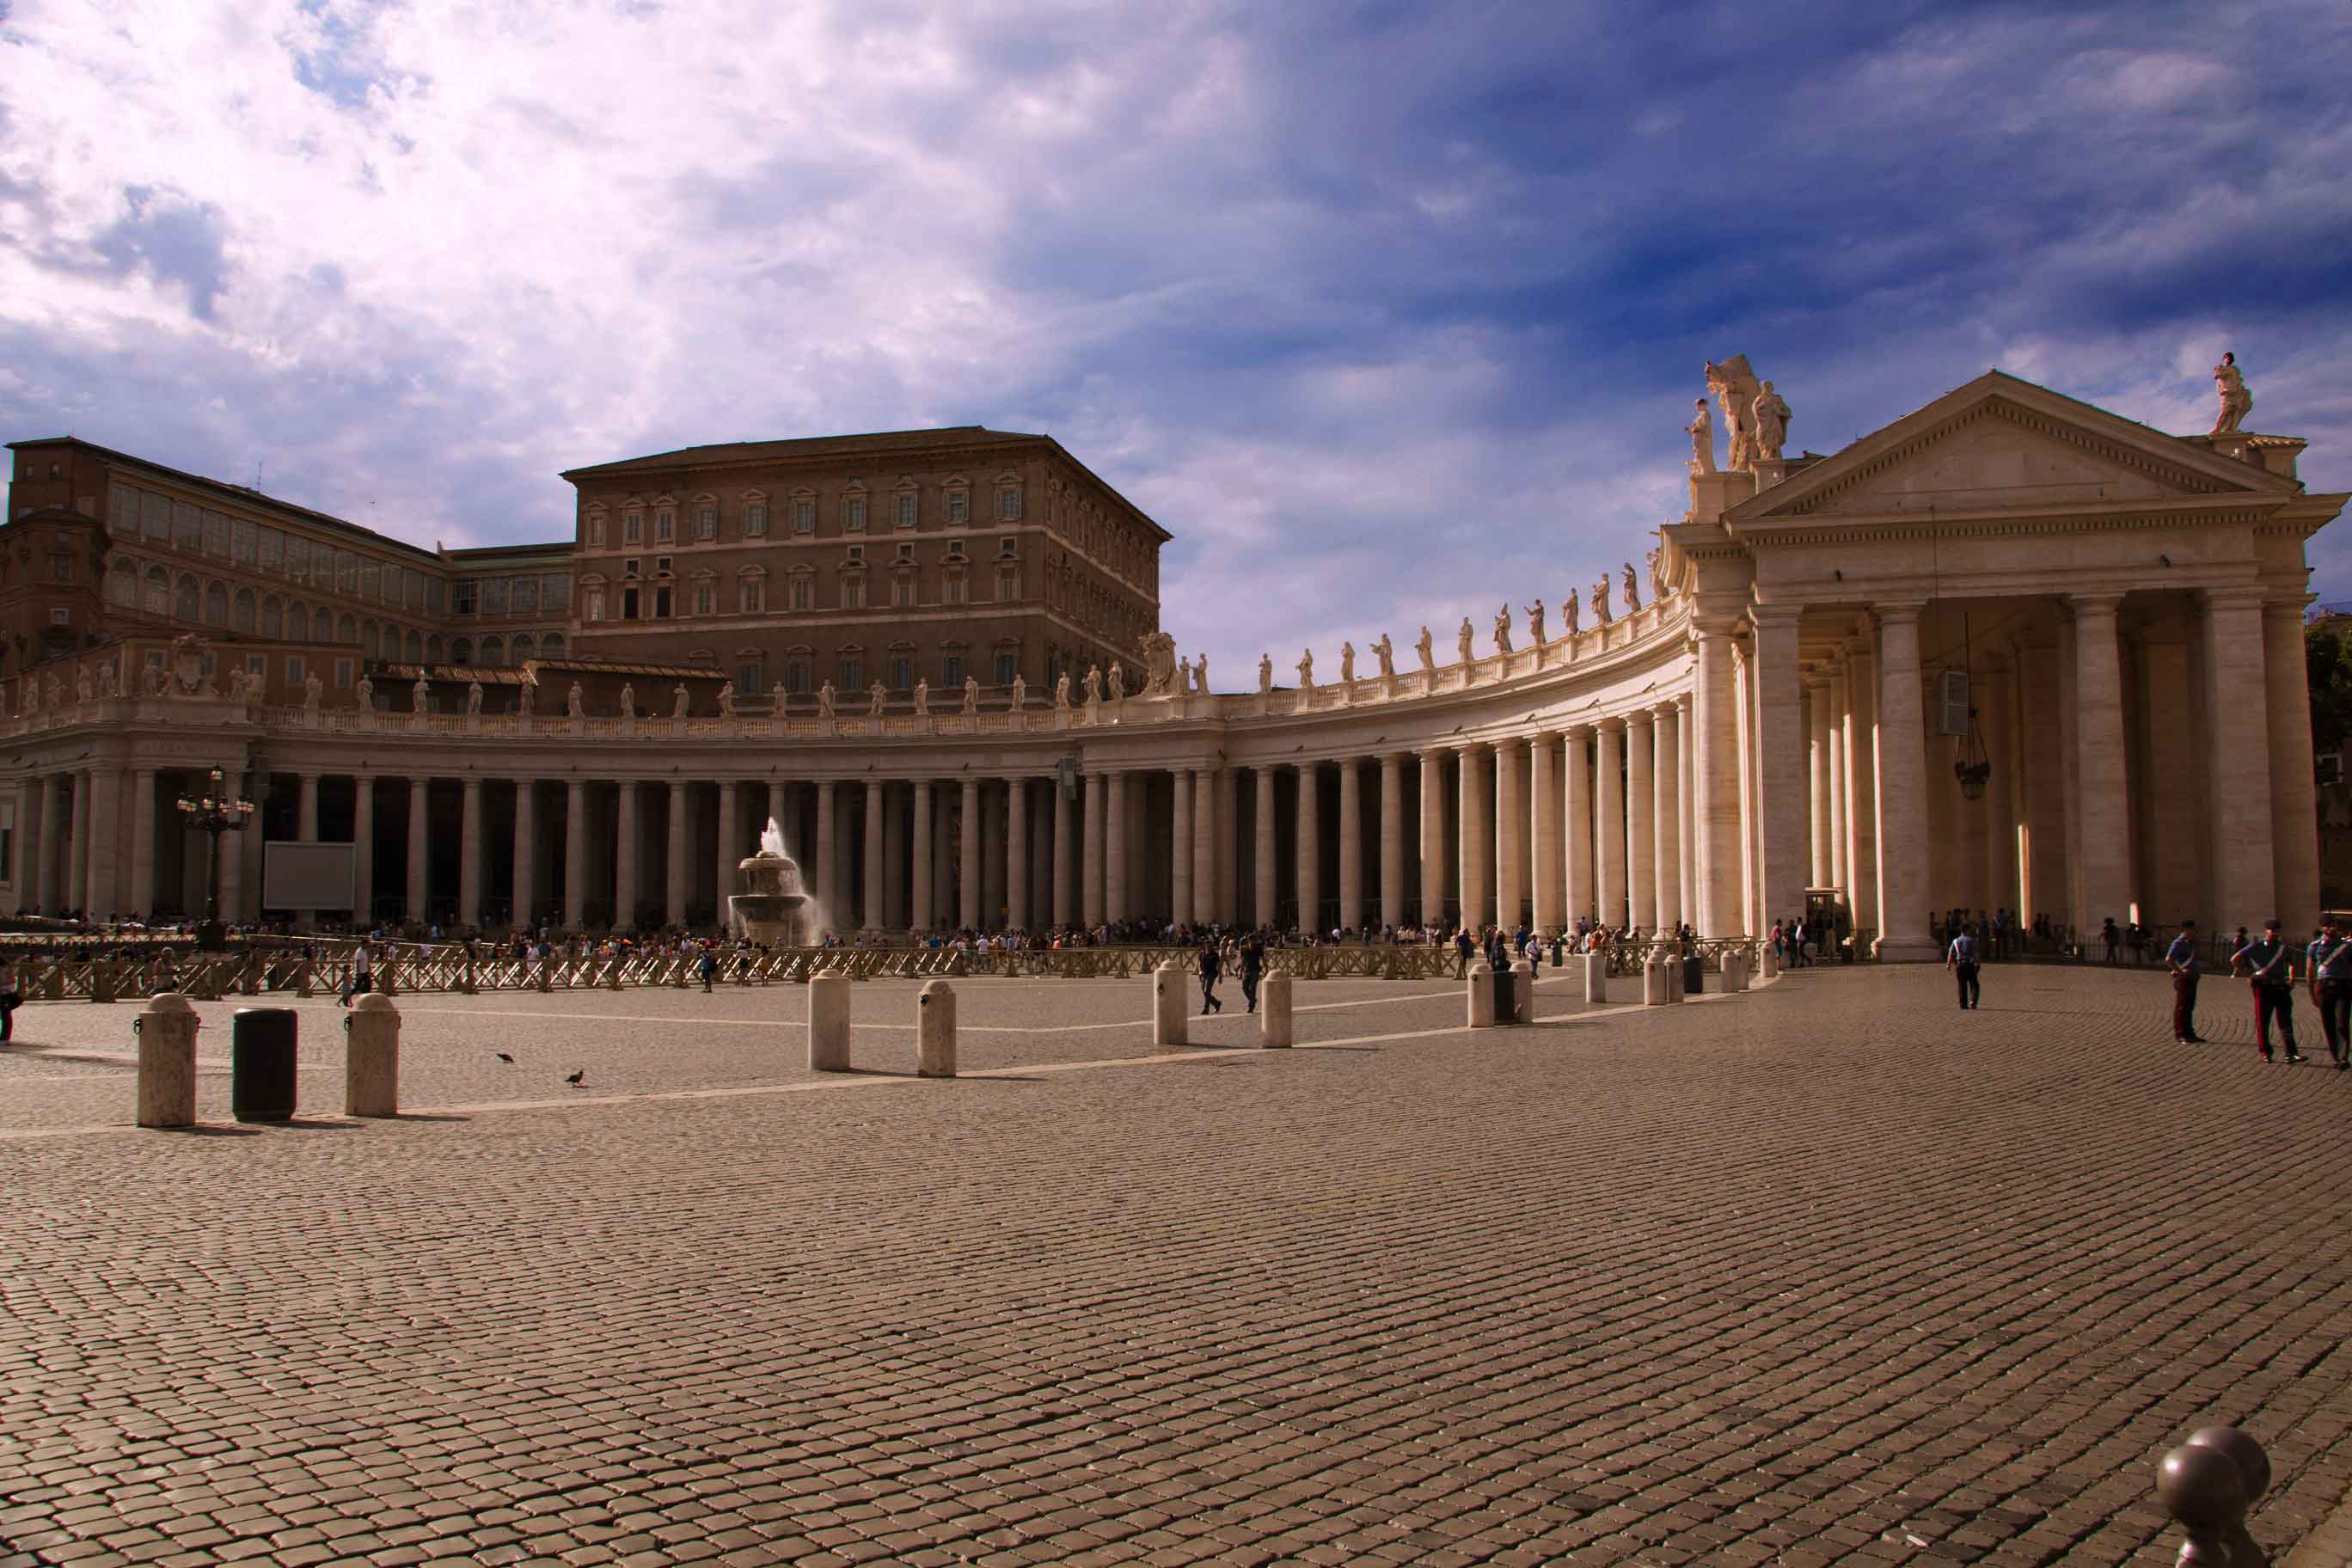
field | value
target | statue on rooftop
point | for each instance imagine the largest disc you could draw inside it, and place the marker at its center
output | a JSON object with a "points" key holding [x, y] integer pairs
{"points": [[1600, 601], [1385, 651], [1426, 647], [1702, 434], [1503, 629], [1632, 589], [2236, 401], [1772, 415]]}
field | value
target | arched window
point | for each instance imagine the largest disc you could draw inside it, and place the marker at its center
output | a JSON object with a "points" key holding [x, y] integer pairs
{"points": [[494, 651], [347, 629], [215, 604], [433, 648], [122, 583], [157, 596], [461, 650], [415, 644], [242, 618], [551, 646], [298, 621], [187, 598], [519, 650], [273, 615]]}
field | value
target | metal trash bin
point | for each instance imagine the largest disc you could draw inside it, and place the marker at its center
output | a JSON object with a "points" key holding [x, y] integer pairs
{"points": [[1693, 975], [1506, 1007], [262, 1064]]}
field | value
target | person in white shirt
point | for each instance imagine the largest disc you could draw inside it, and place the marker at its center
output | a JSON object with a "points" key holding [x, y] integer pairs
{"points": [[1960, 958]]}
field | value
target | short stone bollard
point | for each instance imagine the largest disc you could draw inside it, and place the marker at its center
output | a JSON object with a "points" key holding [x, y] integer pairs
{"points": [[828, 1022], [1596, 978], [935, 1030], [166, 1031], [371, 1058], [2207, 1484], [1654, 982], [1168, 1006], [1273, 1013], [1735, 972], [1770, 964], [1481, 991], [1674, 978], [1523, 990], [101, 982]]}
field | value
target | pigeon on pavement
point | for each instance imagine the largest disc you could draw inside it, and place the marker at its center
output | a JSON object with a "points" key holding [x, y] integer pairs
{"points": [[573, 1079]]}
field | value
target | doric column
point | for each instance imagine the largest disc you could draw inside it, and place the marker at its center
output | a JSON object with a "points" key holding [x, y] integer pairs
{"points": [[1861, 782], [1818, 768], [420, 841], [1351, 844], [946, 866], [1609, 811], [1180, 845], [992, 860], [923, 917], [1311, 848], [1687, 827], [363, 850], [1782, 775], [1715, 776], [106, 841], [1992, 700], [1228, 827], [469, 854], [77, 848], [2238, 790], [1475, 799], [628, 841], [2099, 760], [1641, 819], [1432, 836], [141, 899], [1666, 815], [1511, 837], [1576, 823], [969, 913], [1392, 838], [869, 904], [1016, 853], [1205, 847], [1543, 828], [306, 827], [41, 841], [526, 854], [1834, 698], [2295, 809], [1262, 868], [1091, 878], [1062, 866], [828, 859], [731, 848], [675, 878], [1902, 744], [575, 854]]}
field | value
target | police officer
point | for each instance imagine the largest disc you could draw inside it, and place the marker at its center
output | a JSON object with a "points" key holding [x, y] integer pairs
{"points": [[2330, 967], [2269, 963], [1960, 958], [2181, 958]]}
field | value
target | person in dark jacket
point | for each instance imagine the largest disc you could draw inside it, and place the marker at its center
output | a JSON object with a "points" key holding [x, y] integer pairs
{"points": [[1253, 966], [1211, 967]]}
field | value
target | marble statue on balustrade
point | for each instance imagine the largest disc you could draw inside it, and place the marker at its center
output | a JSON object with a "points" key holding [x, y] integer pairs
{"points": [[1265, 673], [2237, 401], [1093, 709], [681, 701], [628, 700], [1701, 430], [1632, 589], [1601, 602], [1427, 649], [420, 695], [726, 701], [1161, 675], [972, 694], [1118, 681], [1306, 670], [1462, 641], [1569, 610], [1771, 418], [473, 700], [1346, 663], [1385, 652], [1062, 692], [1503, 629], [365, 693], [1201, 675], [1020, 693], [778, 700], [106, 685], [877, 697], [1656, 559], [825, 700], [1535, 614], [1736, 388], [922, 698], [527, 695], [237, 680], [575, 701], [157, 683], [82, 683], [56, 690]]}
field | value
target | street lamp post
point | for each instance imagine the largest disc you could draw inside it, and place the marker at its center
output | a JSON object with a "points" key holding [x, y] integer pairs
{"points": [[213, 813]]}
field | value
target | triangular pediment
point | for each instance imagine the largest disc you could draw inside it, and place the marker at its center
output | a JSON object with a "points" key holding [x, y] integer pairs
{"points": [[2001, 444]]}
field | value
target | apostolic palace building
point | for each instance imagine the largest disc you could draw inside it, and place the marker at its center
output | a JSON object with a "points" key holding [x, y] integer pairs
{"points": [[2010, 651]]}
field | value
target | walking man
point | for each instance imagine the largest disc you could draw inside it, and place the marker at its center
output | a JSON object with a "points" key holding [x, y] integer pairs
{"points": [[2270, 964], [1210, 969], [1252, 965], [1960, 958], [2181, 958], [2330, 966]]}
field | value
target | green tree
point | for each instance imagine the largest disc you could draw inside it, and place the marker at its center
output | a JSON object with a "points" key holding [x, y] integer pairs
{"points": [[2327, 664]]}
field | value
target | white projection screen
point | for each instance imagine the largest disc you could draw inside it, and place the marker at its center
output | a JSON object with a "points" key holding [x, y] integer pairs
{"points": [[306, 876]]}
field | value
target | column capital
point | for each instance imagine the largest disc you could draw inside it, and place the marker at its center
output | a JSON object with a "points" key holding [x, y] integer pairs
{"points": [[1640, 718], [1671, 708], [2081, 605], [1898, 610], [2290, 606], [2237, 596], [1775, 615]]}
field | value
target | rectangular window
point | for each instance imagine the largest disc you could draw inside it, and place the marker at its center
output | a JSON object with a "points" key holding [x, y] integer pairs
{"points": [[853, 672], [121, 510], [755, 518], [347, 571], [906, 511], [852, 514], [61, 568], [706, 599], [955, 593], [462, 596], [796, 676], [595, 605], [524, 595], [272, 555], [245, 542], [706, 522], [596, 535], [955, 672], [804, 515], [413, 584], [370, 579], [298, 558], [342, 675], [902, 672], [798, 594], [1008, 583], [294, 676], [554, 593], [853, 593], [959, 507], [902, 589], [661, 604], [1008, 505], [187, 525], [665, 526], [628, 604], [661, 565], [1008, 665], [630, 566], [155, 515], [392, 586], [257, 667], [747, 681], [632, 528], [751, 597], [436, 593], [216, 534], [494, 596]]}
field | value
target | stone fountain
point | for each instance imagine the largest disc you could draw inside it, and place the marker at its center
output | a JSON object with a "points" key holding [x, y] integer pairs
{"points": [[772, 910]]}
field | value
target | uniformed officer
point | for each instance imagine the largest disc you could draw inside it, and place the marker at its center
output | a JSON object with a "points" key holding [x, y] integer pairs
{"points": [[2270, 964], [2181, 958], [2330, 968], [1960, 958]]}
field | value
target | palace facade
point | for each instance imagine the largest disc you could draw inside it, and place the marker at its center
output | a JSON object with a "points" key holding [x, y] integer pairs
{"points": [[2010, 651]]}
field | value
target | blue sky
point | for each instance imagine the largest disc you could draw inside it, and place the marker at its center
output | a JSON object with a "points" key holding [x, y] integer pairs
{"points": [[1385, 310]]}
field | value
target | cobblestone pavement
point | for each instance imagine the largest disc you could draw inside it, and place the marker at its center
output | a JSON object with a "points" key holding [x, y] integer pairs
{"points": [[1831, 1272]]}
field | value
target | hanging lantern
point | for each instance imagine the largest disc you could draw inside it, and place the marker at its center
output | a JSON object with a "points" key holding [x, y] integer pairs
{"points": [[1972, 767]]}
